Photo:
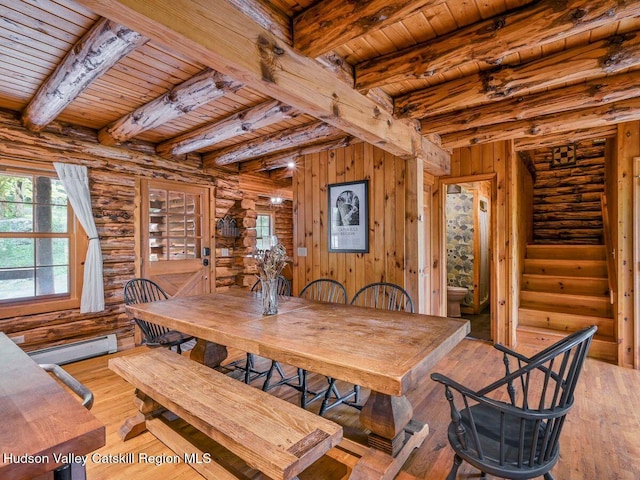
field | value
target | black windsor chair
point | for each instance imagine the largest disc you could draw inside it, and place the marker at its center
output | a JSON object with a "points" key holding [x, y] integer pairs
{"points": [[142, 290], [511, 435]]}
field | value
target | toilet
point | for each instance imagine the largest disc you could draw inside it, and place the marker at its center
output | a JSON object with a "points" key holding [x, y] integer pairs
{"points": [[454, 296]]}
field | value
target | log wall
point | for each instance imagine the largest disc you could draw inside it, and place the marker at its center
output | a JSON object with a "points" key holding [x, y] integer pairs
{"points": [[112, 178], [567, 207], [386, 257], [283, 219], [241, 268]]}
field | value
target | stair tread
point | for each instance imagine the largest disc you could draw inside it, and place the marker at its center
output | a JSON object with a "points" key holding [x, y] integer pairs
{"points": [[565, 260], [570, 316], [564, 295], [553, 251], [550, 276], [547, 331]]}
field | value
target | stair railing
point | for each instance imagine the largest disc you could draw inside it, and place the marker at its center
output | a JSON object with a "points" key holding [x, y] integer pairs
{"points": [[609, 250]]}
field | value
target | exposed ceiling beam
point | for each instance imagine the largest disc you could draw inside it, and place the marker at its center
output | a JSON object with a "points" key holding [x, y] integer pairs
{"points": [[590, 61], [96, 52], [267, 16], [491, 40], [565, 138], [331, 23], [268, 144], [272, 19], [282, 159], [590, 94], [220, 36], [618, 112], [189, 95], [245, 121]]}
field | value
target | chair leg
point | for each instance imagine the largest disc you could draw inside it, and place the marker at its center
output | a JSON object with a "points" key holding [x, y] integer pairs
{"points": [[284, 380], [457, 461], [248, 369], [305, 392], [339, 398], [267, 380], [548, 476]]}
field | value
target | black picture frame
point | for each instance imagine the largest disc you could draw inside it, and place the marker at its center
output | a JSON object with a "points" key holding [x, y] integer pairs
{"points": [[349, 217]]}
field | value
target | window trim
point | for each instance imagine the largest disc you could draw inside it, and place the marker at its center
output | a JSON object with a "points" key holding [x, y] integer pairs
{"points": [[272, 225], [78, 244]]}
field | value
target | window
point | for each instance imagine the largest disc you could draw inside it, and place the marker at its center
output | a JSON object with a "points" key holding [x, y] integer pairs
{"points": [[38, 267], [264, 231], [175, 224]]}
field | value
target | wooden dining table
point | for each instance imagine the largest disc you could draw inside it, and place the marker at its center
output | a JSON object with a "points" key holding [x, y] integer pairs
{"points": [[387, 352], [43, 425]]}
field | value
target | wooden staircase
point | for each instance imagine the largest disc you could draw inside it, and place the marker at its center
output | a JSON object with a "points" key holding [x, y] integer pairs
{"points": [[566, 288]]}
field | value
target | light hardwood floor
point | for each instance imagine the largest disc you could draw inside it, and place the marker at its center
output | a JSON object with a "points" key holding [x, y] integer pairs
{"points": [[600, 441]]}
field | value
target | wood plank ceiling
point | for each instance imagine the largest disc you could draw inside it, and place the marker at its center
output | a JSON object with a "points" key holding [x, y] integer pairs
{"points": [[463, 71]]}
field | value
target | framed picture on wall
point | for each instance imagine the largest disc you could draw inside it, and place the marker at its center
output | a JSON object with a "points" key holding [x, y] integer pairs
{"points": [[349, 217]]}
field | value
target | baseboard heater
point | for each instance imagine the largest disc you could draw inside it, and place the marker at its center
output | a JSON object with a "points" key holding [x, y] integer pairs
{"points": [[73, 352]]}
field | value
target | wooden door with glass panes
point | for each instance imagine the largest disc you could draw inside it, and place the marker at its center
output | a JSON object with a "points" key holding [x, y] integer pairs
{"points": [[176, 239]]}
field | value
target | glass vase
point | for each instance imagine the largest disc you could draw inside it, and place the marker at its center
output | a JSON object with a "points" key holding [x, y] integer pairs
{"points": [[269, 296]]}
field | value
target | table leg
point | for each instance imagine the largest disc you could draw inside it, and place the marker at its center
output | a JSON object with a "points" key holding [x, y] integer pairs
{"points": [[137, 424], [208, 353], [393, 436], [386, 416]]}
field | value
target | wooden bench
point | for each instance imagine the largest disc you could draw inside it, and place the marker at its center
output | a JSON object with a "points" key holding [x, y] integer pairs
{"points": [[269, 434]]}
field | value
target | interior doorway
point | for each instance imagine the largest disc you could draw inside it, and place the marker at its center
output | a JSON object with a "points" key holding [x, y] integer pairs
{"points": [[467, 241]]}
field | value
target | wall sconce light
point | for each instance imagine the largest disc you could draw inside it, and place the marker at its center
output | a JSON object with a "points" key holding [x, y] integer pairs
{"points": [[291, 164], [276, 200], [454, 188]]}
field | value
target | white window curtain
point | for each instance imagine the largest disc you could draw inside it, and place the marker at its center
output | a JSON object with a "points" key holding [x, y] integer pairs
{"points": [[76, 184]]}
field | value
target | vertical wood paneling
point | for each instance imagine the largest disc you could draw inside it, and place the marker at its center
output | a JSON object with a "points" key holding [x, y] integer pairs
{"points": [[487, 158], [316, 200], [298, 226], [455, 162], [465, 161], [324, 215], [331, 178], [359, 273], [400, 225], [628, 141], [350, 176], [378, 216], [476, 161], [387, 183], [389, 218], [308, 218], [438, 263], [505, 331], [369, 258], [414, 259], [340, 177]]}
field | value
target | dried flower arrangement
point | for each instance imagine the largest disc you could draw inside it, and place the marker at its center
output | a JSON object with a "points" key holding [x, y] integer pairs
{"points": [[271, 262]]}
